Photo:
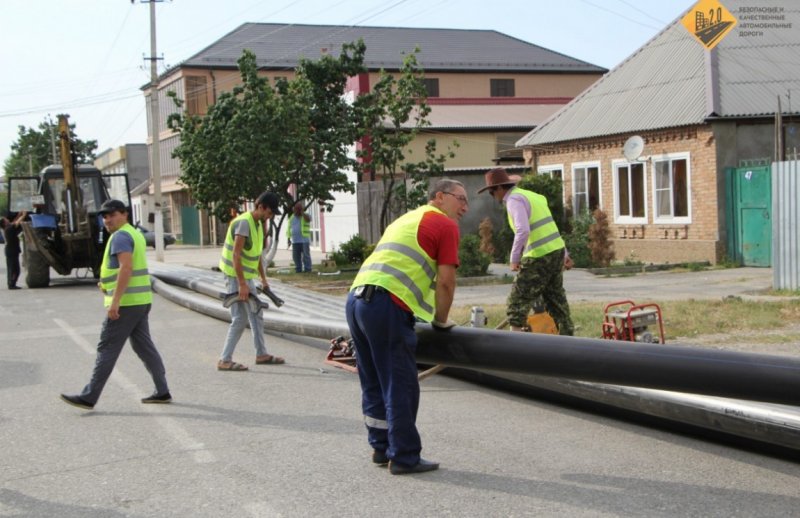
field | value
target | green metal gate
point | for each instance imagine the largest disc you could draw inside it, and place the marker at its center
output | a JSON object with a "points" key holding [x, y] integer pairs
{"points": [[749, 202], [190, 222]]}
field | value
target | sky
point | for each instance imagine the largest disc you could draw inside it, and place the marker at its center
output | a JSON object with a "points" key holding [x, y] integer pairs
{"points": [[86, 57]]}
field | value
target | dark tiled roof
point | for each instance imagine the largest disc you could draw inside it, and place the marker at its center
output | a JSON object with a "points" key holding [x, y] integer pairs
{"points": [[280, 46]]}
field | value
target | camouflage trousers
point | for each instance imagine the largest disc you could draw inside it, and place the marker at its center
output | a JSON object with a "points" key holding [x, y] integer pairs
{"points": [[540, 281]]}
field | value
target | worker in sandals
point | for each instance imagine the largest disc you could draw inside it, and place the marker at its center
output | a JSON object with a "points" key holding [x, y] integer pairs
{"points": [[241, 263]]}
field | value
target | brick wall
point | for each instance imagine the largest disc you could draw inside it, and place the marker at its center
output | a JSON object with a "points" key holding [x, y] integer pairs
{"points": [[651, 242]]}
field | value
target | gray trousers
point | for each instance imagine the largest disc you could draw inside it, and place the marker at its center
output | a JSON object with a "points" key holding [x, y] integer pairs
{"points": [[132, 323]]}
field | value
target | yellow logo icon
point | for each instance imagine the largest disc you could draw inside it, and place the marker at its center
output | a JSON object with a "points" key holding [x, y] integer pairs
{"points": [[709, 22]]}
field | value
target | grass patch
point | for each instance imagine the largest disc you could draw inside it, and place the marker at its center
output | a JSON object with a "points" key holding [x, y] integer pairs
{"points": [[331, 280], [681, 318]]}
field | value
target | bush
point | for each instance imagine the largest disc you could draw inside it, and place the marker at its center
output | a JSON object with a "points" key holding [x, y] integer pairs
{"points": [[485, 231], [352, 252], [577, 241], [473, 262], [600, 245], [502, 240], [552, 189]]}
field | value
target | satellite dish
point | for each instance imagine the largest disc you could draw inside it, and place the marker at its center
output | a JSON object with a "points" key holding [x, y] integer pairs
{"points": [[633, 147]]}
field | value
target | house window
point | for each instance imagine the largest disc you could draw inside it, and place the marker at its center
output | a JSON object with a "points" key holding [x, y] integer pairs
{"points": [[671, 189], [502, 87], [585, 187], [431, 86], [629, 190], [196, 100], [553, 171]]}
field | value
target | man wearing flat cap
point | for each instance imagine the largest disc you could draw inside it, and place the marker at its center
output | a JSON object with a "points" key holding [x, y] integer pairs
{"points": [[538, 253], [125, 284]]}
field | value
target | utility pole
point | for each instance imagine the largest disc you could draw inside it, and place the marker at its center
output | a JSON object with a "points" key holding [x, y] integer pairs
{"points": [[52, 139], [155, 159]]}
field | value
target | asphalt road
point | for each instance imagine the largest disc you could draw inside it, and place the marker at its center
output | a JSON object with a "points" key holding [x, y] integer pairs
{"points": [[289, 440]]}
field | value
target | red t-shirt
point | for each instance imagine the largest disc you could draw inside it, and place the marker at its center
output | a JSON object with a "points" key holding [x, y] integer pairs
{"points": [[438, 236]]}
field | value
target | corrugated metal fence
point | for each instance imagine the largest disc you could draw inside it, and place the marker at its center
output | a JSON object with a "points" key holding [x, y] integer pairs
{"points": [[786, 225]]}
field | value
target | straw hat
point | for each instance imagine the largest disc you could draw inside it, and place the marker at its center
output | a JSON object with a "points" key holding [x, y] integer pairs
{"points": [[497, 177]]}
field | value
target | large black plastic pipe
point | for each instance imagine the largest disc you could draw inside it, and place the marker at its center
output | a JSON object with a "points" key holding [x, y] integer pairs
{"points": [[755, 377]]}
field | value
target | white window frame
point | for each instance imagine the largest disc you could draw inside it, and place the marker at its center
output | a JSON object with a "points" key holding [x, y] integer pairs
{"points": [[585, 166], [618, 218], [671, 219], [548, 171]]}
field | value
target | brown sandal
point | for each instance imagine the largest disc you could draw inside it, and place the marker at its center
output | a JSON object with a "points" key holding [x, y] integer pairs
{"points": [[269, 359], [230, 366]]}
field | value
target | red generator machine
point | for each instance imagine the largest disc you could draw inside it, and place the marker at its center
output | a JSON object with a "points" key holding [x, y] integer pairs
{"points": [[625, 320]]}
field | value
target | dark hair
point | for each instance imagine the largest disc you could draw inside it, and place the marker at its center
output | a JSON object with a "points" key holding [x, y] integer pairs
{"points": [[269, 200]]}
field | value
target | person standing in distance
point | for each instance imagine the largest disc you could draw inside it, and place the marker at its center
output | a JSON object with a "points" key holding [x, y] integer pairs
{"points": [[11, 231], [125, 284], [538, 253], [241, 263], [411, 273], [298, 232]]}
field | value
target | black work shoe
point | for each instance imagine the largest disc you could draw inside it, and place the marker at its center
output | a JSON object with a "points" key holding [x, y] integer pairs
{"points": [[420, 467], [155, 398], [77, 401], [379, 458]]}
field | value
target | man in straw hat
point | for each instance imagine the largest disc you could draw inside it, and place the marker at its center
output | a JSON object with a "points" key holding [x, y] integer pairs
{"points": [[538, 253]]}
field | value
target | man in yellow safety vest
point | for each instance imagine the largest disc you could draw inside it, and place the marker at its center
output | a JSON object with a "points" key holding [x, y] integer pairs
{"points": [[241, 263], [538, 253], [125, 283], [411, 273]]}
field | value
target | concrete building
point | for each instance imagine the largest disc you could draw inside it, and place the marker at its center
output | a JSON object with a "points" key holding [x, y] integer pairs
{"points": [[486, 89], [130, 159]]}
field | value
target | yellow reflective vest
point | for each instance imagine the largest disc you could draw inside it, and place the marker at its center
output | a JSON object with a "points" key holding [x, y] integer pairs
{"points": [[305, 227], [138, 292], [544, 237], [250, 255], [401, 266]]}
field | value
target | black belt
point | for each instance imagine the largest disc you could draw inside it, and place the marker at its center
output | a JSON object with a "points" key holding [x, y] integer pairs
{"points": [[367, 291]]}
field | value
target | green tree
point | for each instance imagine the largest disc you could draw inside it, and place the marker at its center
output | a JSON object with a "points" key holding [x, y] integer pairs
{"points": [[552, 189], [32, 151], [257, 137], [392, 115]]}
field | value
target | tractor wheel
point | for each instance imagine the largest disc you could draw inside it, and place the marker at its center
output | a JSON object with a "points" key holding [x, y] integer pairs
{"points": [[38, 270]]}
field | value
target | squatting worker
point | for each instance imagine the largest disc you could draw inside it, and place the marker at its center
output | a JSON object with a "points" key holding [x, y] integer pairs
{"points": [[125, 284], [411, 273], [538, 253], [241, 263]]}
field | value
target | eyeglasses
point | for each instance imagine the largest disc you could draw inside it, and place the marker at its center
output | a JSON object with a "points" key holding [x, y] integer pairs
{"points": [[460, 197]]}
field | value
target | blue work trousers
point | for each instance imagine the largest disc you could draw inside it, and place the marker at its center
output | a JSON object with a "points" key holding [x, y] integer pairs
{"points": [[301, 255], [386, 347]]}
